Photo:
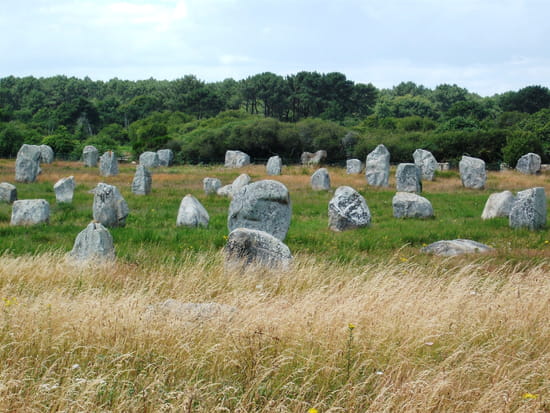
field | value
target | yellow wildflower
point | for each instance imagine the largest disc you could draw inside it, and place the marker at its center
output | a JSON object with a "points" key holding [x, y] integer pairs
{"points": [[529, 396], [351, 326], [313, 410]]}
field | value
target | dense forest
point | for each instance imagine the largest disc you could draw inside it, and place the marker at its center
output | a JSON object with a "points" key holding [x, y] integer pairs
{"points": [[268, 114]]}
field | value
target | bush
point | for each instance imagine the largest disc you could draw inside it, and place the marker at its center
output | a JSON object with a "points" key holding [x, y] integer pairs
{"points": [[518, 144]]}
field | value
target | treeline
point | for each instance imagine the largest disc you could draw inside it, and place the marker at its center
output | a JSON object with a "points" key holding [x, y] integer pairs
{"points": [[270, 114]]}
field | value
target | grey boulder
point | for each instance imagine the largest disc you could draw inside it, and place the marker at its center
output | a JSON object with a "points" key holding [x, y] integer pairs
{"points": [[142, 182], [236, 159], [109, 207], [30, 212], [347, 210], [64, 190], [90, 156], [191, 213], [408, 178], [149, 159], [27, 163], [93, 243], [108, 164], [274, 165], [230, 190], [529, 164], [8, 193], [450, 248], [409, 205], [498, 205], [313, 159], [426, 162], [263, 205], [472, 172], [320, 180], [211, 185], [354, 166], [529, 209], [166, 157], [46, 154], [377, 166]]}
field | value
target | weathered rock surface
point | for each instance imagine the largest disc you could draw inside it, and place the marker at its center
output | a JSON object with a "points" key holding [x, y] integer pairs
{"points": [[449, 248], [166, 157], [8, 193], [236, 159], [354, 166], [529, 209], [274, 165], [408, 178], [149, 159], [93, 243], [211, 185], [498, 205], [529, 164], [263, 205], [191, 312], [348, 210], [27, 164], [142, 182], [46, 154], [378, 167], [226, 190], [320, 180], [231, 189], [258, 248], [426, 162], [191, 213], [30, 212], [314, 159], [410, 205], [108, 164], [90, 156], [472, 172], [109, 208], [64, 190]]}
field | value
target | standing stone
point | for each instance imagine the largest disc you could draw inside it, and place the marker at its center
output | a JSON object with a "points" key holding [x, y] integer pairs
{"points": [[347, 210], [378, 167], [64, 190], [211, 185], [8, 193], [354, 166], [498, 205], [263, 205], [30, 212], [236, 159], [529, 209], [90, 156], [274, 165], [149, 160], [426, 162], [313, 159], [46, 154], [257, 248], [451, 248], [108, 164], [141, 185], [472, 172], [320, 180], [93, 243], [109, 208], [408, 205], [408, 178], [166, 157], [231, 189], [191, 213], [27, 164], [529, 164]]}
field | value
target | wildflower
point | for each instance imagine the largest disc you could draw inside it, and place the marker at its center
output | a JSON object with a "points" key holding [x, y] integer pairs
{"points": [[313, 410], [529, 396], [75, 366], [546, 242], [403, 259], [379, 373], [225, 237], [8, 302], [351, 326]]}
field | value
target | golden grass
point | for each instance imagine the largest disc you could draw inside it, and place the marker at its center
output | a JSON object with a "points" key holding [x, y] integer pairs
{"points": [[448, 335]]}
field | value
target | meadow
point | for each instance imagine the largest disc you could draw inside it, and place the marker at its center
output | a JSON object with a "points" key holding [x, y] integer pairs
{"points": [[363, 321]]}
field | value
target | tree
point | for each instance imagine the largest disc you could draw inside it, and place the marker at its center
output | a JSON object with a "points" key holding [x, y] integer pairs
{"points": [[530, 99]]}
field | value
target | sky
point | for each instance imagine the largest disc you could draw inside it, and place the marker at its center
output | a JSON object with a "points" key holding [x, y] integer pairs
{"points": [[486, 46]]}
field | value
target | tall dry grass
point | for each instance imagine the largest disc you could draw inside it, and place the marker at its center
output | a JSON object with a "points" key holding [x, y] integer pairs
{"points": [[443, 335]]}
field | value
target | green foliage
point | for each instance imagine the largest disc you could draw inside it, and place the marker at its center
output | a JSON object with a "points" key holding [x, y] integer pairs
{"points": [[62, 142], [518, 144]]}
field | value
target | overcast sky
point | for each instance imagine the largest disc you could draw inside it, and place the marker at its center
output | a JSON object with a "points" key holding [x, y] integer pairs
{"points": [[487, 46]]}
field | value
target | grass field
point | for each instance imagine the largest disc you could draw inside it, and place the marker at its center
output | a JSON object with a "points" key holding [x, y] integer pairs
{"points": [[363, 321]]}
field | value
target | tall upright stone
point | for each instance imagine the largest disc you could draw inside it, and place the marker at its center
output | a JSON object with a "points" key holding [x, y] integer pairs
{"points": [[426, 162], [90, 156], [529, 164], [46, 154], [472, 172], [109, 208], [166, 157], [236, 159], [313, 159], [347, 210], [64, 190], [320, 180], [274, 165], [27, 164], [149, 159], [211, 185], [141, 185], [408, 178], [263, 205], [378, 166], [529, 209], [191, 213], [93, 243], [30, 212], [8, 193], [498, 205], [354, 166], [108, 164]]}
